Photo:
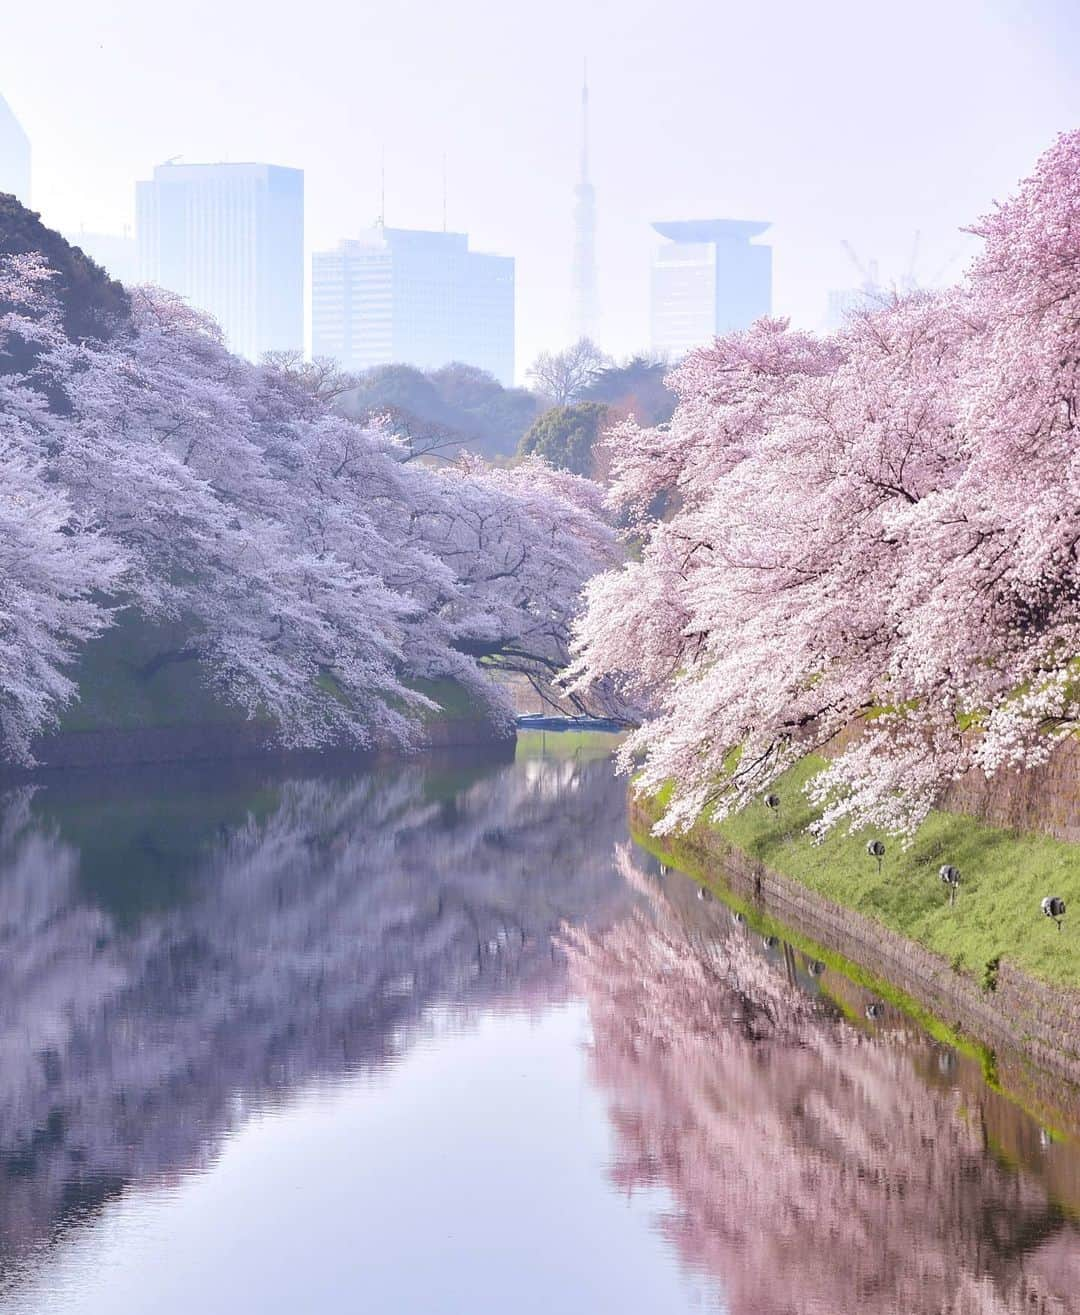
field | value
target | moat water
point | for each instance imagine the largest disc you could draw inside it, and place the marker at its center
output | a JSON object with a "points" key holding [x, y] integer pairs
{"points": [[438, 1038]]}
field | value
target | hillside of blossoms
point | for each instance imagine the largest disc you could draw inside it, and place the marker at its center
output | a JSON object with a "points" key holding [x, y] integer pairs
{"points": [[539, 752], [317, 574], [874, 533]]}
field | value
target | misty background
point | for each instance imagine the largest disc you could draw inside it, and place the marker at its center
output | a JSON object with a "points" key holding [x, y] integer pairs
{"points": [[833, 121]]}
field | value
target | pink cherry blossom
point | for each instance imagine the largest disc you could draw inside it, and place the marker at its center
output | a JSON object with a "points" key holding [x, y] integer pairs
{"points": [[316, 572], [877, 529]]}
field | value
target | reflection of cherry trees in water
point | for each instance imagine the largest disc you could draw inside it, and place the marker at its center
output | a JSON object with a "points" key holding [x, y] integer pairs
{"points": [[813, 1170], [315, 933]]}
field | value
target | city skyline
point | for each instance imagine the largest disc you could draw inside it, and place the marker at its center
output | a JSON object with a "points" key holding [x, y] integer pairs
{"points": [[229, 238], [857, 161]]}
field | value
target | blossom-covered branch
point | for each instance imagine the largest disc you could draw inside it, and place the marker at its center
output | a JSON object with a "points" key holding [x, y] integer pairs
{"points": [[878, 528], [317, 576]]}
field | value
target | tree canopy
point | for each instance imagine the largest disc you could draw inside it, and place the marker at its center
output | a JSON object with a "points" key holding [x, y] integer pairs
{"points": [[317, 573], [877, 529], [635, 389], [446, 411], [566, 436], [89, 302]]}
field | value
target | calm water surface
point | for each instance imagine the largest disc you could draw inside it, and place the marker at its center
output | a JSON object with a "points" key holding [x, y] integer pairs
{"points": [[439, 1039]]}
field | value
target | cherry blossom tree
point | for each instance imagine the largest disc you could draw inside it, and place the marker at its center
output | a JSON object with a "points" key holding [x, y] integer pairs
{"points": [[317, 573], [877, 529], [55, 565], [522, 543]]}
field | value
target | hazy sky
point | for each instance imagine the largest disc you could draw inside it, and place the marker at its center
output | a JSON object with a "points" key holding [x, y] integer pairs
{"points": [[843, 118]]}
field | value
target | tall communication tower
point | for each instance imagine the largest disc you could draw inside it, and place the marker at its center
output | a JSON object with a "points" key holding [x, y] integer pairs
{"points": [[584, 269]]}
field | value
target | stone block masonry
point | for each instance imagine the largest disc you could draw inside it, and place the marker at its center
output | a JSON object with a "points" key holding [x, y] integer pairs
{"points": [[1038, 1022]]}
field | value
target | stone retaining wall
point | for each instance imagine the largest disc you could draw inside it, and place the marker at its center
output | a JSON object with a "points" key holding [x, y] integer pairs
{"points": [[1045, 799], [1041, 1022], [1042, 799]]}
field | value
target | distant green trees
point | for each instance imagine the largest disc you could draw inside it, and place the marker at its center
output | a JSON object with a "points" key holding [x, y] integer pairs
{"points": [[562, 377], [443, 411], [565, 436], [634, 388]]}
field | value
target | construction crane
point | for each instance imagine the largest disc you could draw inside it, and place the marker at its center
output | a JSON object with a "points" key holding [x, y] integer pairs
{"points": [[936, 280], [909, 280], [869, 271]]}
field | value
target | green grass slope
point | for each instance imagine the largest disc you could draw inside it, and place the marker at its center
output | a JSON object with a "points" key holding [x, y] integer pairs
{"points": [[125, 685], [1004, 876], [122, 687]]}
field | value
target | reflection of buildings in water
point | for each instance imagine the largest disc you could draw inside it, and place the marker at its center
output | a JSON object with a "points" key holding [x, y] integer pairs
{"points": [[316, 924], [813, 1166]]}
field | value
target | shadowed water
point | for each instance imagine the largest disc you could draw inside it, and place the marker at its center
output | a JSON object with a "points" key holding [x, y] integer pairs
{"points": [[435, 1039]]}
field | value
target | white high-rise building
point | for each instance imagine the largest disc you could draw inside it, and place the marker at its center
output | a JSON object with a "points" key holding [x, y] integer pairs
{"points": [[229, 238], [707, 279], [14, 155], [407, 296]]}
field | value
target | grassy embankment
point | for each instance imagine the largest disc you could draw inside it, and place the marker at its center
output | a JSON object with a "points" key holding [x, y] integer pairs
{"points": [[996, 914], [125, 685]]}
